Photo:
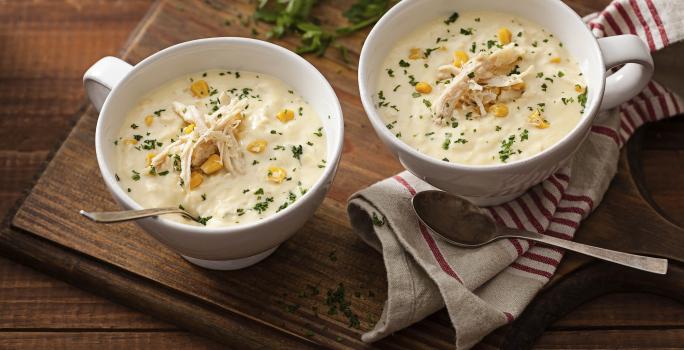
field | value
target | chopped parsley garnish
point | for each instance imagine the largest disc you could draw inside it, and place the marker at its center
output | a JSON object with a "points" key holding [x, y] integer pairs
{"points": [[137, 137], [260, 191], [133, 126], [428, 51], [336, 301], [506, 149], [390, 72], [377, 221], [163, 173], [297, 152], [446, 143], [150, 144], [282, 206], [427, 103], [176, 162], [582, 98], [452, 18], [471, 75], [135, 176], [262, 206], [159, 112], [319, 132], [467, 31], [203, 220], [524, 135]]}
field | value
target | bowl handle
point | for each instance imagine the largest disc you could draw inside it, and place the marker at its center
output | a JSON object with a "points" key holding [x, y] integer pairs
{"points": [[102, 77], [632, 78]]}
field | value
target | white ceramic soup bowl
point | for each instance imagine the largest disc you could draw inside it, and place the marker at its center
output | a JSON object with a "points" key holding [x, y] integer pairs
{"points": [[114, 87], [494, 184]]}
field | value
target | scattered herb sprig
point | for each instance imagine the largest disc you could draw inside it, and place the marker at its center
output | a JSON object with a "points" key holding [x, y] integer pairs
{"points": [[294, 16]]}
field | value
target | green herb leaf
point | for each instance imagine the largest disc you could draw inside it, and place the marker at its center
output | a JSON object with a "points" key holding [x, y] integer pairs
{"points": [[452, 18]]}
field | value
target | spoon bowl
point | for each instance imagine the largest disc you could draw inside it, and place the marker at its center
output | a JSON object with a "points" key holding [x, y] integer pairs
{"points": [[456, 220], [459, 222]]}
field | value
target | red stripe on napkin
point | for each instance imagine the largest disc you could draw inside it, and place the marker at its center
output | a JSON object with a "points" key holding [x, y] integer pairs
{"points": [[659, 23], [642, 22], [436, 253]]}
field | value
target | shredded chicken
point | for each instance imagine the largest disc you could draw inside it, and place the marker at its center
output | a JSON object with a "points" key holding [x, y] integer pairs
{"points": [[480, 82], [212, 133]]}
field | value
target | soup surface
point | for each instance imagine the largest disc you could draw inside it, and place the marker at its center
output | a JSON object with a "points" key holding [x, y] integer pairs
{"points": [[230, 147], [480, 88]]}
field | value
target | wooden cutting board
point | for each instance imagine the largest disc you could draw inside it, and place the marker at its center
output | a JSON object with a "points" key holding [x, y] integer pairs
{"points": [[281, 302]]}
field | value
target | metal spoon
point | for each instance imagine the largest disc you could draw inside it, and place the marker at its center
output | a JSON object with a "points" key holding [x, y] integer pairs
{"points": [[463, 224], [126, 215]]}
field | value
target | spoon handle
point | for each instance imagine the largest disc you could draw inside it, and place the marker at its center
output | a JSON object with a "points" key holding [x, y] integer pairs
{"points": [[126, 215], [645, 263]]}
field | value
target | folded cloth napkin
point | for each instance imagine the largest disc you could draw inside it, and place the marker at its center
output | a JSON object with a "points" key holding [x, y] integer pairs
{"points": [[488, 287]]}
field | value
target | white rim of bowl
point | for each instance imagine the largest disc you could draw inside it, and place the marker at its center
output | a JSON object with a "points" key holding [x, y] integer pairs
{"points": [[372, 113], [329, 171]]}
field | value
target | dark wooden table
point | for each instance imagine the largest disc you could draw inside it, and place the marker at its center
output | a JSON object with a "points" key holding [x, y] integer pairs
{"points": [[44, 48]]}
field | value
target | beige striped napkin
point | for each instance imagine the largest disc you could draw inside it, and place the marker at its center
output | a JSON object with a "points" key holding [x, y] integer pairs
{"points": [[488, 287]]}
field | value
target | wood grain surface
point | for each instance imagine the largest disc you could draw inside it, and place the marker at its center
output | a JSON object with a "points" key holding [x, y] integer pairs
{"points": [[252, 298]]}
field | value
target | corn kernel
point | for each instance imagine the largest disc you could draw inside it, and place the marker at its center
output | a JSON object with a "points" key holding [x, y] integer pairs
{"points": [[241, 117], [579, 88], [537, 120], [555, 60], [423, 88], [276, 174], [199, 88], [285, 115], [460, 57], [415, 54], [149, 158], [149, 120], [504, 36], [518, 86], [196, 179], [257, 146], [499, 110], [212, 164], [131, 141], [189, 129]]}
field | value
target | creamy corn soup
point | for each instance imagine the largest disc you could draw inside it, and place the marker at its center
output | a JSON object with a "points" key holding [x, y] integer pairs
{"points": [[229, 147], [480, 88]]}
